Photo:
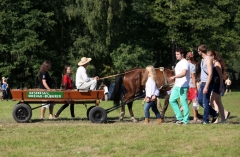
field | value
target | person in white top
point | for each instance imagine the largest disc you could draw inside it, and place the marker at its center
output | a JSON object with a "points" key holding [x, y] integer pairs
{"points": [[152, 93], [84, 82], [180, 88]]}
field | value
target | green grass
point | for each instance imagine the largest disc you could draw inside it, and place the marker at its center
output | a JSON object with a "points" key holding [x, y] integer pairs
{"points": [[80, 137]]}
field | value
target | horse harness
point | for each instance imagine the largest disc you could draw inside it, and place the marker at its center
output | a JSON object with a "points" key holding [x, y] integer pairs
{"points": [[166, 84]]}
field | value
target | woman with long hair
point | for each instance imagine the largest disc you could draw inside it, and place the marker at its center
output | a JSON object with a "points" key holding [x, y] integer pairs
{"points": [[152, 93], [46, 83], [67, 84], [217, 82]]}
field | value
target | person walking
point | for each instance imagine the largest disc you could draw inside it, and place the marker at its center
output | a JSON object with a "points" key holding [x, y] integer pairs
{"points": [[192, 91], [83, 82], [228, 83], [205, 87], [67, 84], [152, 93], [4, 88], [217, 83], [180, 88], [46, 83]]}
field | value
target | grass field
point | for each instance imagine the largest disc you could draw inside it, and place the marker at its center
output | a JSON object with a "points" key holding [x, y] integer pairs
{"points": [[80, 137]]}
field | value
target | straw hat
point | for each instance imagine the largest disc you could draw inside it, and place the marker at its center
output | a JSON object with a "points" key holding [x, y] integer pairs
{"points": [[84, 60]]}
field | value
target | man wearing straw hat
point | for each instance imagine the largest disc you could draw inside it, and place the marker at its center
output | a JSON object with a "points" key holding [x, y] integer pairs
{"points": [[84, 82]]}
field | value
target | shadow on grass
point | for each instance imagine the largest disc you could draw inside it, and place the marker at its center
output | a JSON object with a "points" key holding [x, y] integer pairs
{"points": [[116, 120]]}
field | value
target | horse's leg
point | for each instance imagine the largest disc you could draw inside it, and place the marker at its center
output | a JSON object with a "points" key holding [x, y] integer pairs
{"points": [[130, 104], [122, 113], [166, 102], [159, 106]]}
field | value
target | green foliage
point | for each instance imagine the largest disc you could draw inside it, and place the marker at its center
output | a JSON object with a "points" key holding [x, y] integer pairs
{"points": [[127, 57], [117, 34]]}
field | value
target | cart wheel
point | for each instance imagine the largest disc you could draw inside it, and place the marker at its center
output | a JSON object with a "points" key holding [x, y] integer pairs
{"points": [[97, 115], [88, 111], [22, 113]]}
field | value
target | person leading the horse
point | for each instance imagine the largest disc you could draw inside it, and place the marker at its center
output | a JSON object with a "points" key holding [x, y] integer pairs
{"points": [[180, 88], [83, 82], [152, 93]]}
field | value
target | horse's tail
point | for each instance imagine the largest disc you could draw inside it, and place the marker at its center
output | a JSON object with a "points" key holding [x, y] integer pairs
{"points": [[117, 91]]}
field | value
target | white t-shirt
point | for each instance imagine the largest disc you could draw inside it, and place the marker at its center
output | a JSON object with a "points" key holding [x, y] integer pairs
{"points": [[183, 81], [192, 71], [151, 88]]}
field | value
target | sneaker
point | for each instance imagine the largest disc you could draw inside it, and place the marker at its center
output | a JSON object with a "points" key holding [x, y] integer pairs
{"points": [[196, 121], [215, 117], [179, 122], [204, 123]]}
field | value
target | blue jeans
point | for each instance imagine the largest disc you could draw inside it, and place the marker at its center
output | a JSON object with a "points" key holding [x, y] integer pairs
{"points": [[204, 99], [180, 92], [147, 106]]}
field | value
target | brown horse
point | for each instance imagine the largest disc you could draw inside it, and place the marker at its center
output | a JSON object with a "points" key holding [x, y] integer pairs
{"points": [[134, 83]]}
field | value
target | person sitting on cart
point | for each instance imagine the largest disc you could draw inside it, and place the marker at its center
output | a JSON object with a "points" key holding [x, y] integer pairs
{"points": [[46, 83], [67, 84], [83, 82]]}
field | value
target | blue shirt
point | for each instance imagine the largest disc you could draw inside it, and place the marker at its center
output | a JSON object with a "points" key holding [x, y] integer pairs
{"points": [[4, 86]]}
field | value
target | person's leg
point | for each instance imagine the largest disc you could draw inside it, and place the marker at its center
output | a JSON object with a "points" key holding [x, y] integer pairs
{"points": [[157, 113], [217, 98], [43, 109], [203, 101], [146, 111], [93, 85], [60, 110], [155, 110], [72, 110], [184, 102], [173, 102], [106, 97], [51, 111], [88, 85]]}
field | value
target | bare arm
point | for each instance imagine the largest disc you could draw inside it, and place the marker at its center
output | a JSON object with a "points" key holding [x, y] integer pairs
{"points": [[219, 70], [194, 80], [209, 69], [182, 74], [45, 84]]}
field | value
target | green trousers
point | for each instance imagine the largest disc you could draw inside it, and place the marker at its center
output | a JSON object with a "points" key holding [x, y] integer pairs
{"points": [[180, 92]]}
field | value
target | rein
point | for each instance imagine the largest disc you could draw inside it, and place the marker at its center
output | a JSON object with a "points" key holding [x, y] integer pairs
{"points": [[102, 78], [165, 79]]}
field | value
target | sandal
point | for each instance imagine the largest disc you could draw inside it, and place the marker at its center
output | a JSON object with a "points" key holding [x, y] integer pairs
{"points": [[196, 121]]}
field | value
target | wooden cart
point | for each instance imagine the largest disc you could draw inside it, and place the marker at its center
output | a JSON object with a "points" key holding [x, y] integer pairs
{"points": [[22, 111]]}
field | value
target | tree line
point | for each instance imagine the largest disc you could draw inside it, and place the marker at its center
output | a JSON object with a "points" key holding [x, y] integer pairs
{"points": [[117, 34]]}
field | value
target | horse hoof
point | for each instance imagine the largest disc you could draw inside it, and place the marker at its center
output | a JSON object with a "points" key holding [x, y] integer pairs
{"points": [[134, 120], [121, 119]]}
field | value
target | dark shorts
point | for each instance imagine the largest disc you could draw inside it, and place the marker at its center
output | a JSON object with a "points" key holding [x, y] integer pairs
{"points": [[216, 87], [228, 86]]}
